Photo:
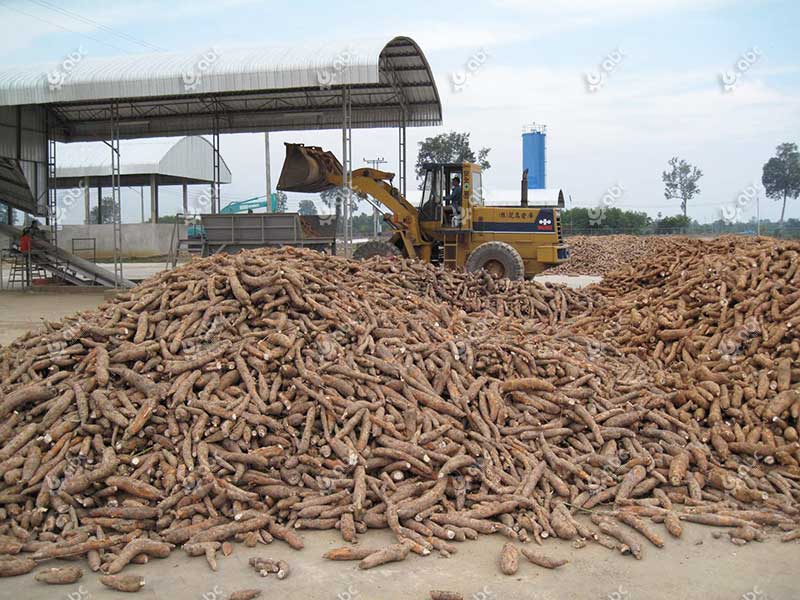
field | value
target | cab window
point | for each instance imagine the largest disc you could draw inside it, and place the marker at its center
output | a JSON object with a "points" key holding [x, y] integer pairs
{"points": [[476, 196]]}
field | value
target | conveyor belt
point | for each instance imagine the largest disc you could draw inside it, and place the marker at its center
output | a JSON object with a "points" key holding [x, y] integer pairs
{"points": [[68, 267]]}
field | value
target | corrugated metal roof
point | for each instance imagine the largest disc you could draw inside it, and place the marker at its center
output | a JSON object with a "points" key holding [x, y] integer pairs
{"points": [[189, 159], [250, 89]]}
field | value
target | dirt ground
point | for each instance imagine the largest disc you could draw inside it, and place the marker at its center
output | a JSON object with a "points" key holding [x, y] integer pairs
{"points": [[696, 566]]}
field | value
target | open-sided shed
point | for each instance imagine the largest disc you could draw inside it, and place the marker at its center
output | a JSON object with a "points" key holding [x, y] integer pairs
{"points": [[356, 84], [144, 163]]}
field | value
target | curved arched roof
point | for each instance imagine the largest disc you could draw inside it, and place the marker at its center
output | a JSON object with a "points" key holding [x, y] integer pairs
{"points": [[188, 160], [249, 90]]}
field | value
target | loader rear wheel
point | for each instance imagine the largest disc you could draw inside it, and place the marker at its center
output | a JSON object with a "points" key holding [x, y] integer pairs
{"points": [[498, 258], [375, 248]]}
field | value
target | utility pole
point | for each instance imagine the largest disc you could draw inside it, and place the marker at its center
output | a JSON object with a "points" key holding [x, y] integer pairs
{"points": [[375, 163]]}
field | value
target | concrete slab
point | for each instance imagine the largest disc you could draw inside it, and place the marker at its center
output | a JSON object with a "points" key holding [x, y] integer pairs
{"points": [[573, 281], [696, 567], [23, 311]]}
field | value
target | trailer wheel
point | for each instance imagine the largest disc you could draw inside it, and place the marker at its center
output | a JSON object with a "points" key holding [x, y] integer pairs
{"points": [[375, 248], [498, 258]]}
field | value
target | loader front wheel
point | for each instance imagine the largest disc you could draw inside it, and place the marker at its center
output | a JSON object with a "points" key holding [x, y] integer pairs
{"points": [[498, 258], [375, 248]]}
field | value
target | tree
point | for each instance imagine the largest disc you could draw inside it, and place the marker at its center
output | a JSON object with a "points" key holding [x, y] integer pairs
{"points": [[681, 182], [106, 214], [614, 220], [450, 147], [781, 175], [307, 207], [281, 201], [676, 224], [331, 199]]}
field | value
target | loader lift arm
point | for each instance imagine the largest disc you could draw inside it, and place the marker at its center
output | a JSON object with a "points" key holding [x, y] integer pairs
{"points": [[312, 169]]}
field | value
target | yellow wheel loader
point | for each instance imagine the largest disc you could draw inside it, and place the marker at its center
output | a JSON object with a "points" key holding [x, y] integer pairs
{"points": [[451, 226]]}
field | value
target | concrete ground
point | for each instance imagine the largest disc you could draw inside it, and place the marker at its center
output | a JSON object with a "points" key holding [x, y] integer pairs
{"points": [[696, 566], [136, 271], [22, 311]]}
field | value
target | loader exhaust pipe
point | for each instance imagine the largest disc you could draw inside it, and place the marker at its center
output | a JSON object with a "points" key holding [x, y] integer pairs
{"points": [[308, 169], [524, 192]]}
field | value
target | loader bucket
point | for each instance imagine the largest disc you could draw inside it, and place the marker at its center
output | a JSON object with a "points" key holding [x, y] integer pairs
{"points": [[308, 169]]}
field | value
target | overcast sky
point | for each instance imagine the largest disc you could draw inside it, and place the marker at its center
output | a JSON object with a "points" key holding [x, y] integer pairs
{"points": [[622, 85]]}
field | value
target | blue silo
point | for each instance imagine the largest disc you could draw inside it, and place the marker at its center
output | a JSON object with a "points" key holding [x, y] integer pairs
{"points": [[533, 155]]}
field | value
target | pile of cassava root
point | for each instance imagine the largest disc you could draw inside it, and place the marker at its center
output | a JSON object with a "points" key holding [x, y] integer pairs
{"points": [[603, 254], [255, 396]]}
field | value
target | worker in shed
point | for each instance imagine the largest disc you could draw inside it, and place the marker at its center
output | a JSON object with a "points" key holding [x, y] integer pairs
{"points": [[25, 244]]}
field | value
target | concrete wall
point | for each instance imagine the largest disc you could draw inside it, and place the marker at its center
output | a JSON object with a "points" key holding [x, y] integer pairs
{"points": [[139, 240]]}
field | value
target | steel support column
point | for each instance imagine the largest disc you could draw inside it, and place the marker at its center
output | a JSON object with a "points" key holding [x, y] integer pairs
{"points": [[51, 217], [87, 204], [116, 195], [215, 186], [153, 199], [401, 142], [347, 164], [185, 200], [267, 171]]}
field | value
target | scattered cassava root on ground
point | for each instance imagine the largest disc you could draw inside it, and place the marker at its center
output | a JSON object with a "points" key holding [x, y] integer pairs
{"points": [[445, 595], [255, 396], [123, 583], [540, 559], [509, 559], [247, 594], [59, 575]]}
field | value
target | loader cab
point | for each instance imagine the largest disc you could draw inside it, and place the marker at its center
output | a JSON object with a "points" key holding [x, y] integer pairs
{"points": [[438, 184]]}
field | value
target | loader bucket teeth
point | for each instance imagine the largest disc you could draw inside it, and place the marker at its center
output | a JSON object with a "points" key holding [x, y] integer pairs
{"points": [[308, 169]]}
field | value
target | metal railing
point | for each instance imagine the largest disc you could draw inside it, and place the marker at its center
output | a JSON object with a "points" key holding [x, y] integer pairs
{"points": [[89, 247]]}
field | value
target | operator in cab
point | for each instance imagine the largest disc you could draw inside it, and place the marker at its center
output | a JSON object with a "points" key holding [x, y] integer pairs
{"points": [[454, 199]]}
